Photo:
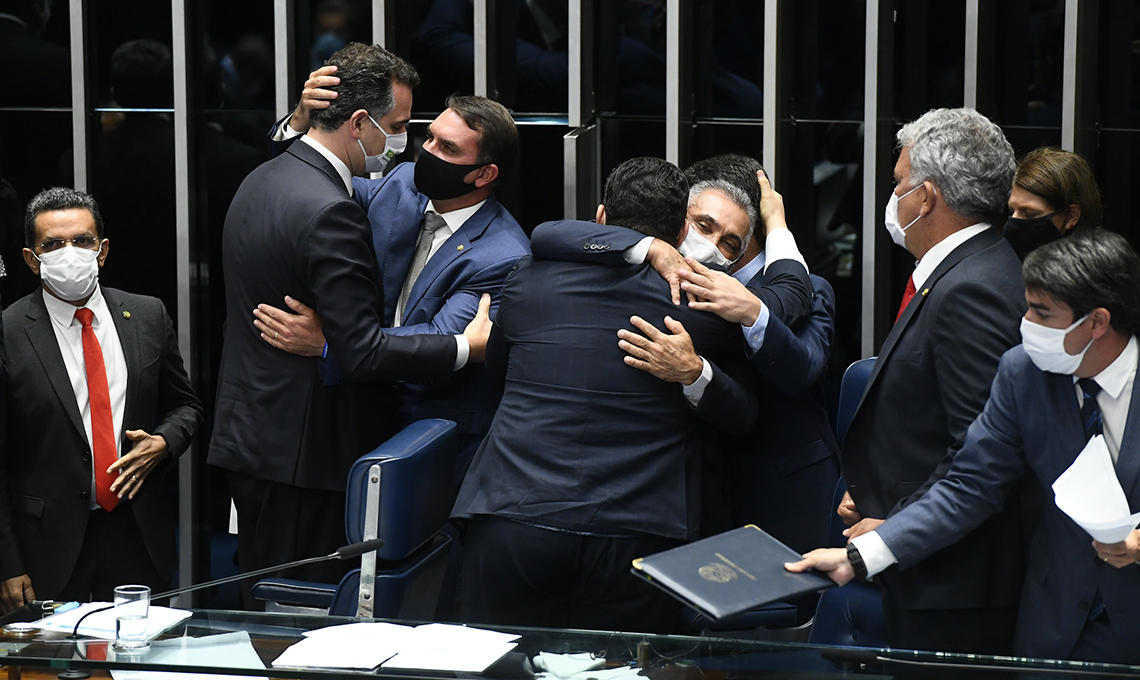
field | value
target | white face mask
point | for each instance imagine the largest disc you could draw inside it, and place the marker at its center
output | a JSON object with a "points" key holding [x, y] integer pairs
{"points": [[702, 250], [71, 273], [1046, 346], [393, 146], [891, 217]]}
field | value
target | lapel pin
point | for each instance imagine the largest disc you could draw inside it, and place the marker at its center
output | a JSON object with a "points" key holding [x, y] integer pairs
{"points": [[126, 315], [925, 291], [459, 247]]}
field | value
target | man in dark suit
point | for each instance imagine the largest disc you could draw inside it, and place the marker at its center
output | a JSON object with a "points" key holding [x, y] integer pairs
{"points": [[1073, 378], [932, 378], [590, 463], [467, 255], [286, 440], [98, 406]]}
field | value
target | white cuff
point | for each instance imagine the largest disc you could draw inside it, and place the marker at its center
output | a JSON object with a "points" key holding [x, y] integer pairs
{"points": [[874, 551], [754, 334], [462, 351], [695, 391], [284, 132], [781, 245], [636, 254]]}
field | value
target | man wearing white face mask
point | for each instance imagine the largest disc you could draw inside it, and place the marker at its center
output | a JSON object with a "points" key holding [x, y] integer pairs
{"points": [[98, 405], [1073, 377], [958, 315]]}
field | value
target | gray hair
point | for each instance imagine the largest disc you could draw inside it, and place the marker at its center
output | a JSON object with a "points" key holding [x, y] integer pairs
{"points": [[734, 194], [966, 155]]}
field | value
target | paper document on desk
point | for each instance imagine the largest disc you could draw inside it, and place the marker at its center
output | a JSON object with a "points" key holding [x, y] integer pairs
{"points": [[1090, 493], [102, 624], [228, 650], [447, 647], [361, 646]]}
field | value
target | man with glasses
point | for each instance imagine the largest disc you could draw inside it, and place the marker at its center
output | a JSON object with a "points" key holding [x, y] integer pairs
{"points": [[98, 406]]}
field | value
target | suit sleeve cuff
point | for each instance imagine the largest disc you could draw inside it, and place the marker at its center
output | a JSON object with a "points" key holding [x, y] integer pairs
{"points": [[284, 132], [754, 334], [781, 245], [636, 254], [695, 391], [462, 351], [874, 551]]}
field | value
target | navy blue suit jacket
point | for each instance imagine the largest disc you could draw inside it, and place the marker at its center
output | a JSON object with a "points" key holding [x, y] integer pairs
{"points": [[781, 476], [581, 441], [1032, 423], [476, 259]]}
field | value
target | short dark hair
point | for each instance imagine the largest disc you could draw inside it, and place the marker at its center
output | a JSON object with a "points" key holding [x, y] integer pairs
{"points": [[142, 73], [498, 136], [1091, 269], [366, 74], [1061, 178], [734, 168], [648, 195], [58, 198]]}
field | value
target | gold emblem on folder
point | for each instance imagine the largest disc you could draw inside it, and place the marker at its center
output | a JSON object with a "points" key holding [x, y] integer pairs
{"points": [[717, 573]]}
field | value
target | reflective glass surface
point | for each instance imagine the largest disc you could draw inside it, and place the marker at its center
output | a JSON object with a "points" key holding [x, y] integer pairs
{"points": [[324, 26]]}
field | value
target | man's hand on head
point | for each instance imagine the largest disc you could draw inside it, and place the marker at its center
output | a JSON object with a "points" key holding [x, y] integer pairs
{"points": [[479, 330], [668, 357], [296, 333], [771, 205], [667, 262], [314, 96], [831, 561], [719, 293]]}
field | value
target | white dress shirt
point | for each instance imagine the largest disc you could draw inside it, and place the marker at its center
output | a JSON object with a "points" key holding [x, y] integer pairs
{"points": [[933, 257], [69, 335]]}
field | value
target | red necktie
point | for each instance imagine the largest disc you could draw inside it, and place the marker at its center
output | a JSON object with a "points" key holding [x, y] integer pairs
{"points": [[907, 295], [102, 424]]}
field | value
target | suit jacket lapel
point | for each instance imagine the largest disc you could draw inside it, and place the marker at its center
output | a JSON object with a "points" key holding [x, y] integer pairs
{"points": [[452, 249], [397, 244], [42, 337], [979, 242], [127, 329], [1128, 463]]}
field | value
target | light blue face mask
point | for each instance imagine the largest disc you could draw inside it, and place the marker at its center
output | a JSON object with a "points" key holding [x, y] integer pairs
{"points": [[393, 146]]}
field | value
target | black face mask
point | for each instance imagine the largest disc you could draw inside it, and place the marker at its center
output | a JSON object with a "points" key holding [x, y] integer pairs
{"points": [[439, 180], [1026, 235]]}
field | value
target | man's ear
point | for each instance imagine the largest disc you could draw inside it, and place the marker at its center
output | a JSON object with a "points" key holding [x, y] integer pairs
{"points": [[357, 121], [103, 250], [1102, 321], [486, 175], [600, 217], [32, 262]]}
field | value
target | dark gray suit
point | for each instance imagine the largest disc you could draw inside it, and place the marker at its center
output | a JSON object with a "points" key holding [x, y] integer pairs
{"points": [[44, 504]]}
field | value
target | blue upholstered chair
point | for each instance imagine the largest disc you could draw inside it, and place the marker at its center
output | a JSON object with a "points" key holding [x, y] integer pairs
{"points": [[401, 492], [851, 389]]}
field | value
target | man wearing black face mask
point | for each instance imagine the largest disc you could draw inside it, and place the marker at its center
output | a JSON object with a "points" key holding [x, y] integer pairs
{"points": [[1054, 194], [442, 240]]}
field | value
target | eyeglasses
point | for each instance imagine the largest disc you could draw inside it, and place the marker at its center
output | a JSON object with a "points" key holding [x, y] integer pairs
{"points": [[54, 244]]}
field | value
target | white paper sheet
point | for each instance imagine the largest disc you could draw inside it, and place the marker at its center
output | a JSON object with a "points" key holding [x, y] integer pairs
{"points": [[1090, 494], [230, 650], [448, 647], [102, 624]]}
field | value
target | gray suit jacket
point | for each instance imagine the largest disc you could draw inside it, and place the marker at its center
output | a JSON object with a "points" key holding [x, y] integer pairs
{"points": [[46, 460]]}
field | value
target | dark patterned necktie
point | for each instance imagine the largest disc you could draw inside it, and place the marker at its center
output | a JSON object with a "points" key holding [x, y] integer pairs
{"points": [[1091, 416]]}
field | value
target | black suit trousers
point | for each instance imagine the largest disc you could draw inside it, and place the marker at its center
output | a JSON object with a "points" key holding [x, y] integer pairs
{"points": [[518, 574], [113, 554]]}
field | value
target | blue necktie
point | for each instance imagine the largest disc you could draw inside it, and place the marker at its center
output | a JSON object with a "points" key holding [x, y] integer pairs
{"points": [[1090, 410]]}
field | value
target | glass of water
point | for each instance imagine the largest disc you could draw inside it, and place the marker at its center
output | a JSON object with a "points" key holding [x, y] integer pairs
{"points": [[132, 608]]}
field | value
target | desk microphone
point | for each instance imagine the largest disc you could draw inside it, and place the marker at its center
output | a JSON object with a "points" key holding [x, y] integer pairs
{"points": [[345, 552]]}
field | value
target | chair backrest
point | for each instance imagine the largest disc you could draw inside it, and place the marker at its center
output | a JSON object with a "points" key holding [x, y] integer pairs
{"points": [[851, 616], [412, 476], [851, 389]]}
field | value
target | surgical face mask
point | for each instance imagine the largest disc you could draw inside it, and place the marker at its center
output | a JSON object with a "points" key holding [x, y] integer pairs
{"points": [[1027, 235], [71, 273], [440, 180], [704, 251], [1046, 346], [891, 217], [393, 146]]}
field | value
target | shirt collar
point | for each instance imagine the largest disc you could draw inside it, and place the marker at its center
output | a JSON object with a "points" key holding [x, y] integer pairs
{"points": [[338, 164], [749, 271], [934, 257], [63, 313], [456, 218], [1115, 376]]}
